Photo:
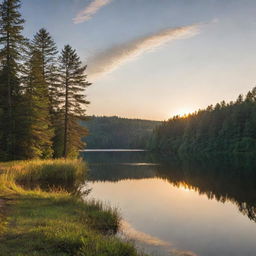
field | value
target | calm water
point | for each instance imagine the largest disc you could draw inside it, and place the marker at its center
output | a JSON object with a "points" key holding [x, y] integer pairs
{"points": [[202, 207]]}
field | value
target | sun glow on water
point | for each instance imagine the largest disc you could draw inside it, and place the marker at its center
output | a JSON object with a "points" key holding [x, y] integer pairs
{"points": [[185, 187]]}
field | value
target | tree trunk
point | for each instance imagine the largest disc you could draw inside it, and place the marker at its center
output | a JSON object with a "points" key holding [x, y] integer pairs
{"points": [[9, 100], [65, 150]]}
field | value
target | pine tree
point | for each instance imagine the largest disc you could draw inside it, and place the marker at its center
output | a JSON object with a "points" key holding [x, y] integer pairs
{"points": [[73, 85], [44, 43], [37, 135], [12, 43]]}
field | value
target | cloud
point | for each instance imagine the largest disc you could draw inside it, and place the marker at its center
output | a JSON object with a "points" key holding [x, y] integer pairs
{"points": [[129, 231], [175, 252], [90, 10], [132, 233], [110, 59]]}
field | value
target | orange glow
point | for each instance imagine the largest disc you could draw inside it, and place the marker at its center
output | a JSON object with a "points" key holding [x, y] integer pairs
{"points": [[184, 112], [185, 187]]}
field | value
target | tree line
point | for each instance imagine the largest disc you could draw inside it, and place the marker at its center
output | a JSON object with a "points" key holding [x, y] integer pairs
{"points": [[225, 127], [42, 92], [117, 133]]}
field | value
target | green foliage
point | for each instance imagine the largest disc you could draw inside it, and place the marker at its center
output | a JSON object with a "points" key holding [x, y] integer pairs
{"points": [[41, 94], [64, 174], [36, 141], [61, 173], [115, 132], [110, 246], [72, 85], [55, 222], [228, 128], [12, 45], [44, 43], [54, 225]]}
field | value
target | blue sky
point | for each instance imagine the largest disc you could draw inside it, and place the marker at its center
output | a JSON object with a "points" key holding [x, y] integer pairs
{"points": [[155, 80]]}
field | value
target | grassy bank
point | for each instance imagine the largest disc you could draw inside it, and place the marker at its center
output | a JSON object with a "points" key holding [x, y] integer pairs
{"points": [[40, 214]]}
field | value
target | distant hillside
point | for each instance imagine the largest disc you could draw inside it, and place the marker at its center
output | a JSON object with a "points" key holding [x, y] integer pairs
{"points": [[116, 132]]}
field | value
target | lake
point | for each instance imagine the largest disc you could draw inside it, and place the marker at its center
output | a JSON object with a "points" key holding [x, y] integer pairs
{"points": [[185, 207]]}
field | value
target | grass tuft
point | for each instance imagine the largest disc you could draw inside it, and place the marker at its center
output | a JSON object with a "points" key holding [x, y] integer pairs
{"points": [[46, 217]]}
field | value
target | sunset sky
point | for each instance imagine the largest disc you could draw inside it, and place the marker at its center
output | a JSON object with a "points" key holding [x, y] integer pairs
{"points": [[153, 59]]}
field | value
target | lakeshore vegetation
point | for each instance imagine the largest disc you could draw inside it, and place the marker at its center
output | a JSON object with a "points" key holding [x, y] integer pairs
{"points": [[54, 220]]}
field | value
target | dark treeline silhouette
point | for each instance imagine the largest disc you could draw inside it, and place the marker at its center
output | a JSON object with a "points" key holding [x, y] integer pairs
{"points": [[120, 172], [116, 132], [115, 157], [42, 92], [225, 127], [222, 178], [116, 166], [225, 179]]}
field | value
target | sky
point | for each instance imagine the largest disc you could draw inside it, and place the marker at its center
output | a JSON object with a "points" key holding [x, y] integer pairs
{"points": [[153, 59]]}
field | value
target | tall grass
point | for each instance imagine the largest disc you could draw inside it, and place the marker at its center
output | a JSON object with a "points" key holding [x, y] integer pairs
{"points": [[43, 174], [46, 218]]}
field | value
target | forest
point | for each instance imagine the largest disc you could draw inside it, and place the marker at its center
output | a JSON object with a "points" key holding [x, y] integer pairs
{"points": [[223, 128], [118, 133], [42, 92]]}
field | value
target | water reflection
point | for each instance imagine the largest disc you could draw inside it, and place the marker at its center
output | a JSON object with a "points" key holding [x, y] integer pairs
{"points": [[220, 178], [191, 204]]}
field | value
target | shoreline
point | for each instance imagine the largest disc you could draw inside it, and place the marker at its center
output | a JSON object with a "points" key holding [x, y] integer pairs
{"points": [[54, 222]]}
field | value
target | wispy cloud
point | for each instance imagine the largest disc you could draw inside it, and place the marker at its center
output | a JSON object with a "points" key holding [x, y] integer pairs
{"points": [[137, 235], [175, 252], [110, 59], [129, 231], [90, 10]]}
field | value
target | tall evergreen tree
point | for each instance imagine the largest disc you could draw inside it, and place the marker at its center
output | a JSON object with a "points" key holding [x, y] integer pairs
{"points": [[37, 135], [73, 85], [12, 43], [44, 43]]}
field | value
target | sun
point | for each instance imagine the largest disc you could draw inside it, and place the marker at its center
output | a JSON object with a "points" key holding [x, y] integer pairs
{"points": [[184, 112]]}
